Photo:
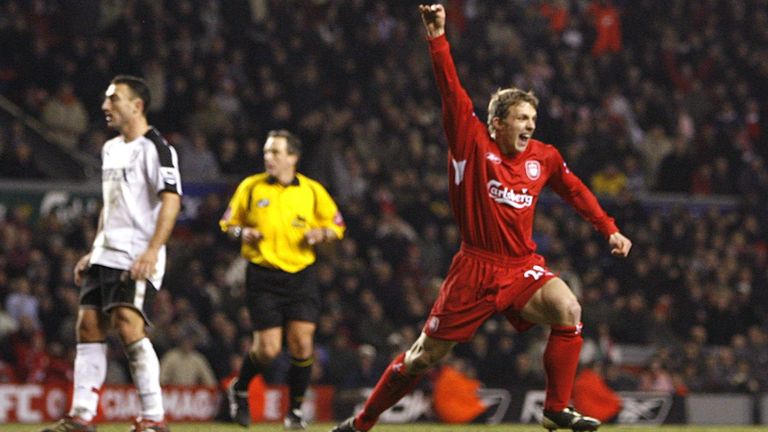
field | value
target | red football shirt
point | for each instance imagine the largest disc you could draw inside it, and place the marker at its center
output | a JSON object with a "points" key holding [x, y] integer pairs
{"points": [[493, 196]]}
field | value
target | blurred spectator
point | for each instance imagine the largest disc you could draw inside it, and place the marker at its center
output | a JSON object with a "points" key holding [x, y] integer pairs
{"points": [[636, 182], [456, 398], [527, 375], [702, 182], [223, 346], [21, 304], [676, 169], [184, 364], [618, 379], [368, 368], [654, 147], [65, 114], [155, 74], [631, 322], [656, 379], [231, 160], [607, 23], [609, 181], [8, 324], [592, 395], [196, 159], [342, 358], [556, 11], [497, 370], [57, 370], [25, 347], [20, 163]]}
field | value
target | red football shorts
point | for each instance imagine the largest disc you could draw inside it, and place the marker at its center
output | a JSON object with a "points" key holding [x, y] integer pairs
{"points": [[480, 284]]}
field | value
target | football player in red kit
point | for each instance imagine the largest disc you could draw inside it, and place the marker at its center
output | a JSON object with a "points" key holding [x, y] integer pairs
{"points": [[496, 174]]}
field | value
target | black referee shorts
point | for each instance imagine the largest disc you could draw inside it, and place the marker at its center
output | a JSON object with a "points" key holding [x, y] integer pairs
{"points": [[275, 297]]}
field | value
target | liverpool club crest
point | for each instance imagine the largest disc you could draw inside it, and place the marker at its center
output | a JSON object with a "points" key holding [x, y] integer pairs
{"points": [[533, 169]]}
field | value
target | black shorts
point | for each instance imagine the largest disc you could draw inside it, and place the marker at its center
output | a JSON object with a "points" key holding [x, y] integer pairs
{"points": [[275, 297], [105, 288]]}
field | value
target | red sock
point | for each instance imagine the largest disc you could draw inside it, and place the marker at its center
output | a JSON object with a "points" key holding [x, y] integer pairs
{"points": [[561, 358], [393, 385]]}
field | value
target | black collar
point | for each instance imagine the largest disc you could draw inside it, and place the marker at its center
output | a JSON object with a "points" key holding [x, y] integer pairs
{"points": [[273, 180]]}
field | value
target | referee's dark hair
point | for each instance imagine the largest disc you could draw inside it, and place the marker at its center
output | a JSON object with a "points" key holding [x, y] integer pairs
{"points": [[293, 143], [138, 86]]}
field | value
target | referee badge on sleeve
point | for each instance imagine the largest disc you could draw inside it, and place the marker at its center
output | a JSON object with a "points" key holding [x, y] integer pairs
{"points": [[338, 219]]}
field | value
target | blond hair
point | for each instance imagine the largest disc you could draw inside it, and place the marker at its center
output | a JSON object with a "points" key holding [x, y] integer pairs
{"points": [[503, 99]]}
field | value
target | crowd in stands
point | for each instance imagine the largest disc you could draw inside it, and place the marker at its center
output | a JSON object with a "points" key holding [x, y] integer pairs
{"points": [[636, 105]]}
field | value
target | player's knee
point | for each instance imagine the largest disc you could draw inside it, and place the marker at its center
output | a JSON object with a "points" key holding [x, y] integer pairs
{"points": [[129, 324], [90, 326], [88, 331], [265, 353], [300, 344], [570, 312], [422, 361], [302, 349], [418, 364]]}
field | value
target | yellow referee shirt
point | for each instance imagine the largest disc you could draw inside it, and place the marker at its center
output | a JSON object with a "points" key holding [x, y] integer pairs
{"points": [[282, 214]]}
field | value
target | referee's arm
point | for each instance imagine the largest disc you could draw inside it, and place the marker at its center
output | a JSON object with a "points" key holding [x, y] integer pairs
{"points": [[233, 220], [330, 222]]}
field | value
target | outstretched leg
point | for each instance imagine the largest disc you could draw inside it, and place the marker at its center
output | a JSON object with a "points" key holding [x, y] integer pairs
{"points": [[399, 379]]}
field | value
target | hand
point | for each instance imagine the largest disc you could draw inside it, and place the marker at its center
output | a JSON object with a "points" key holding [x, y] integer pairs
{"points": [[620, 245], [144, 265], [315, 235], [82, 265], [433, 17], [251, 236]]}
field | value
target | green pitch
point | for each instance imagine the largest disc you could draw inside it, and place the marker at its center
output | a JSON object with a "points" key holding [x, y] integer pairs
{"points": [[414, 427]]}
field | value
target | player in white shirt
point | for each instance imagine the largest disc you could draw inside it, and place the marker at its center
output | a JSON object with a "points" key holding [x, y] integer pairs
{"points": [[120, 276]]}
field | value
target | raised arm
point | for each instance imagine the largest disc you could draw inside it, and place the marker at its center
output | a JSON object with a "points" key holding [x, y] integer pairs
{"points": [[459, 119]]}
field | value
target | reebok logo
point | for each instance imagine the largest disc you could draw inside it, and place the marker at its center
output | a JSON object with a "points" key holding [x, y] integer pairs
{"points": [[504, 195], [493, 158]]}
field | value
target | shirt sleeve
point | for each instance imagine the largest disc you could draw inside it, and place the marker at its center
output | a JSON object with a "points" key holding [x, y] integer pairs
{"points": [[327, 214], [459, 118], [163, 165], [577, 194], [236, 210]]}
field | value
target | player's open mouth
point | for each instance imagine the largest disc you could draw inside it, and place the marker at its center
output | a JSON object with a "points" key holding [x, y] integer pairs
{"points": [[524, 137]]}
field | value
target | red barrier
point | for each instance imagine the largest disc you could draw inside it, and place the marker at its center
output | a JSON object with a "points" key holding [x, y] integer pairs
{"points": [[34, 403]]}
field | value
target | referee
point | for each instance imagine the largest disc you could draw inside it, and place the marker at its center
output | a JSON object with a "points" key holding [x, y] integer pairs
{"points": [[278, 216]]}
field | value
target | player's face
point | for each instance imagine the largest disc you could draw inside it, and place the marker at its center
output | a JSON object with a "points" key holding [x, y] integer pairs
{"points": [[516, 129], [277, 161], [120, 106]]}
